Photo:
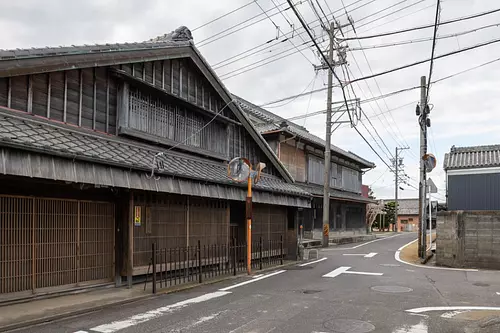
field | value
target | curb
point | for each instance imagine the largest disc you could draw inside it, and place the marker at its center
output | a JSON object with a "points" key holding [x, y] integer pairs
{"points": [[160, 292]]}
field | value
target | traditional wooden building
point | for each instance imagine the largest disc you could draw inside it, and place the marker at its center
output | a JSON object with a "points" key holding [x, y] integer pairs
{"points": [[105, 149], [303, 155]]}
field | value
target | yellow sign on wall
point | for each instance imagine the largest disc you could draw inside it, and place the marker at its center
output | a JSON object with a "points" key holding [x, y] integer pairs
{"points": [[137, 216]]}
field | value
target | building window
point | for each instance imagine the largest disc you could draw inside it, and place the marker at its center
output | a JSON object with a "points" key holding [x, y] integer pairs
{"points": [[410, 219]]}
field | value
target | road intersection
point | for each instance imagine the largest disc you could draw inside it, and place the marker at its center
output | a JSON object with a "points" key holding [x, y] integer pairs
{"points": [[352, 293]]}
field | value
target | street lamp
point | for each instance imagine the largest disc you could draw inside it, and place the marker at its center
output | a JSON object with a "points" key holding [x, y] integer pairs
{"points": [[239, 169]]}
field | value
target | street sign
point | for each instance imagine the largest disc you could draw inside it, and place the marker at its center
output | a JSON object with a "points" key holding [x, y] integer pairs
{"points": [[430, 162], [432, 186]]}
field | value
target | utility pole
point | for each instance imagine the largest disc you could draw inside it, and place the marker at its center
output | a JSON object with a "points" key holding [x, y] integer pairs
{"points": [[328, 148], [422, 112], [397, 163]]}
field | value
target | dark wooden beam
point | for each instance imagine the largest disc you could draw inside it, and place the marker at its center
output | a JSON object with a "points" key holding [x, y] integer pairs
{"points": [[49, 91], [65, 102], [29, 106], [107, 102], [9, 92], [80, 99], [94, 99]]}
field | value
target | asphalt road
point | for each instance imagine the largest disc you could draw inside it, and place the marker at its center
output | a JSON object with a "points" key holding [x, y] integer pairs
{"points": [[331, 295]]}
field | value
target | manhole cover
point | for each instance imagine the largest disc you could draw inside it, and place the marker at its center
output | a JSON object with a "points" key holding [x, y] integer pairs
{"points": [[391, 289], [348, 326], [311, 291], [481, 284]]}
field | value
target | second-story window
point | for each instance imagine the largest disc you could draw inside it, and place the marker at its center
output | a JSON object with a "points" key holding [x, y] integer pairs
{"points": [[154, 116]]}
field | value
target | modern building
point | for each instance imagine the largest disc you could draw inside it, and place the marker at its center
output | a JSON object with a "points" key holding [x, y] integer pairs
{"points": [[105, 149], [408, 215], [302, 153], [473, 178]]}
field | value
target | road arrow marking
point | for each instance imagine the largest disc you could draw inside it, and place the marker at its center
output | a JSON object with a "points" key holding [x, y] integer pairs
{"points": [[498, 293], [371, 255], [346, 270]]}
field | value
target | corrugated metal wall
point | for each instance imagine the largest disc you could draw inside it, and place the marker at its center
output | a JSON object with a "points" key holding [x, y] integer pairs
{"points": [[474, 192], [54, 242]]}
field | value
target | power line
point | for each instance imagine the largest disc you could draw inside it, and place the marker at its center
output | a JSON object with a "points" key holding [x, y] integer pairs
{"points": [[290, 101], [396, 69], [464, 18], [222, 16], [399, 18], [279, 29], [424, 39]]}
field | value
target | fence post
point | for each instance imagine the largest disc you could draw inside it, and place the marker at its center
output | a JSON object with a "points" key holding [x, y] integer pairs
{"points": [[200, 270], [234, 256], [281, 249], [153, 248], [260, 253]]}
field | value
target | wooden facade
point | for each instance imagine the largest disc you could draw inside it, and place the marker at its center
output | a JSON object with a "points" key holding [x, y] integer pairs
{"points": [[90, 233]]}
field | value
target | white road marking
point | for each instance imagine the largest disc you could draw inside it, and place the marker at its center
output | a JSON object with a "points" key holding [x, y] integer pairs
{"points": [[200, 320], [257, 276], [346, 270], [397, 257], [251, 281], [152, 314], [451, 314], [498, 293], [360, 245], [390, 265], [369, 255], [364, 273], [452, 308], [80, 332], [312, 262], [337, 272], [418, 328]]}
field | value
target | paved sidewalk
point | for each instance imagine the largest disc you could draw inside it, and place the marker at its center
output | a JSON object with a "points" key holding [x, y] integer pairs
{"points": [[53, 308]]}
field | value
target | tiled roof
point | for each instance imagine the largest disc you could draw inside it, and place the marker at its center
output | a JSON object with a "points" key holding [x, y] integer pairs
{"points": [[24, 132], [274, 122], [472, 157], [177, 38]]}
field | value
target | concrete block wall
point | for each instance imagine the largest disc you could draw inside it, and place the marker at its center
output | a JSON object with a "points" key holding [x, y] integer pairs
{"points": [[468, 239]]}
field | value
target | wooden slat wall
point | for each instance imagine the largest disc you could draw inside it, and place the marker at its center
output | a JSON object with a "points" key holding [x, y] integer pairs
{"points": [[54, 242], [168, 225], [168, 217], [57, 96], [294, 160], [208, 222], [16, 254], [96, 241], [269, 222]]}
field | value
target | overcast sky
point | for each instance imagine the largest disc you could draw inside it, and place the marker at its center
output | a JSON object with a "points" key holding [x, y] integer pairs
{"points": [[465, 107]]}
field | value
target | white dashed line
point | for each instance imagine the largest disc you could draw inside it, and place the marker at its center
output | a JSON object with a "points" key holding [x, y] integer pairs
{"points": [[452, 308], [312, 262], [251, 281]]}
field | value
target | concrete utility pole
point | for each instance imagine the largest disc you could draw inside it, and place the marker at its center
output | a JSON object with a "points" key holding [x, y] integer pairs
{"points": [[328, 139], [422, 112], [397, 163]]}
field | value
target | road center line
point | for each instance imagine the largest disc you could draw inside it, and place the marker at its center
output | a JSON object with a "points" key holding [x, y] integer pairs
{"points": [[312, 262], [252, 281], [152, 314], [452, 308], [364, 273], [360, 245]]}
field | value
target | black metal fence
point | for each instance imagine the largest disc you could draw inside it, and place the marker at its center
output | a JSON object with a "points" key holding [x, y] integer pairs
{"points": [[170, 267]]}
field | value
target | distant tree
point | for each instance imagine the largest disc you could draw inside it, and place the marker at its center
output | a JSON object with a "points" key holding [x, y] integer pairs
{"points": [[389, 210]]}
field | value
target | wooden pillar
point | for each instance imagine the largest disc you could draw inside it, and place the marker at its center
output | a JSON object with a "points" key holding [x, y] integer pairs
{"points": [[130, 241], [187, 221]]}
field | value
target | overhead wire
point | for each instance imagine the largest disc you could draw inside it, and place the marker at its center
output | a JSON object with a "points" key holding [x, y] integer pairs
{"points": [[459, 19], [436, 25], [222, 16]]}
